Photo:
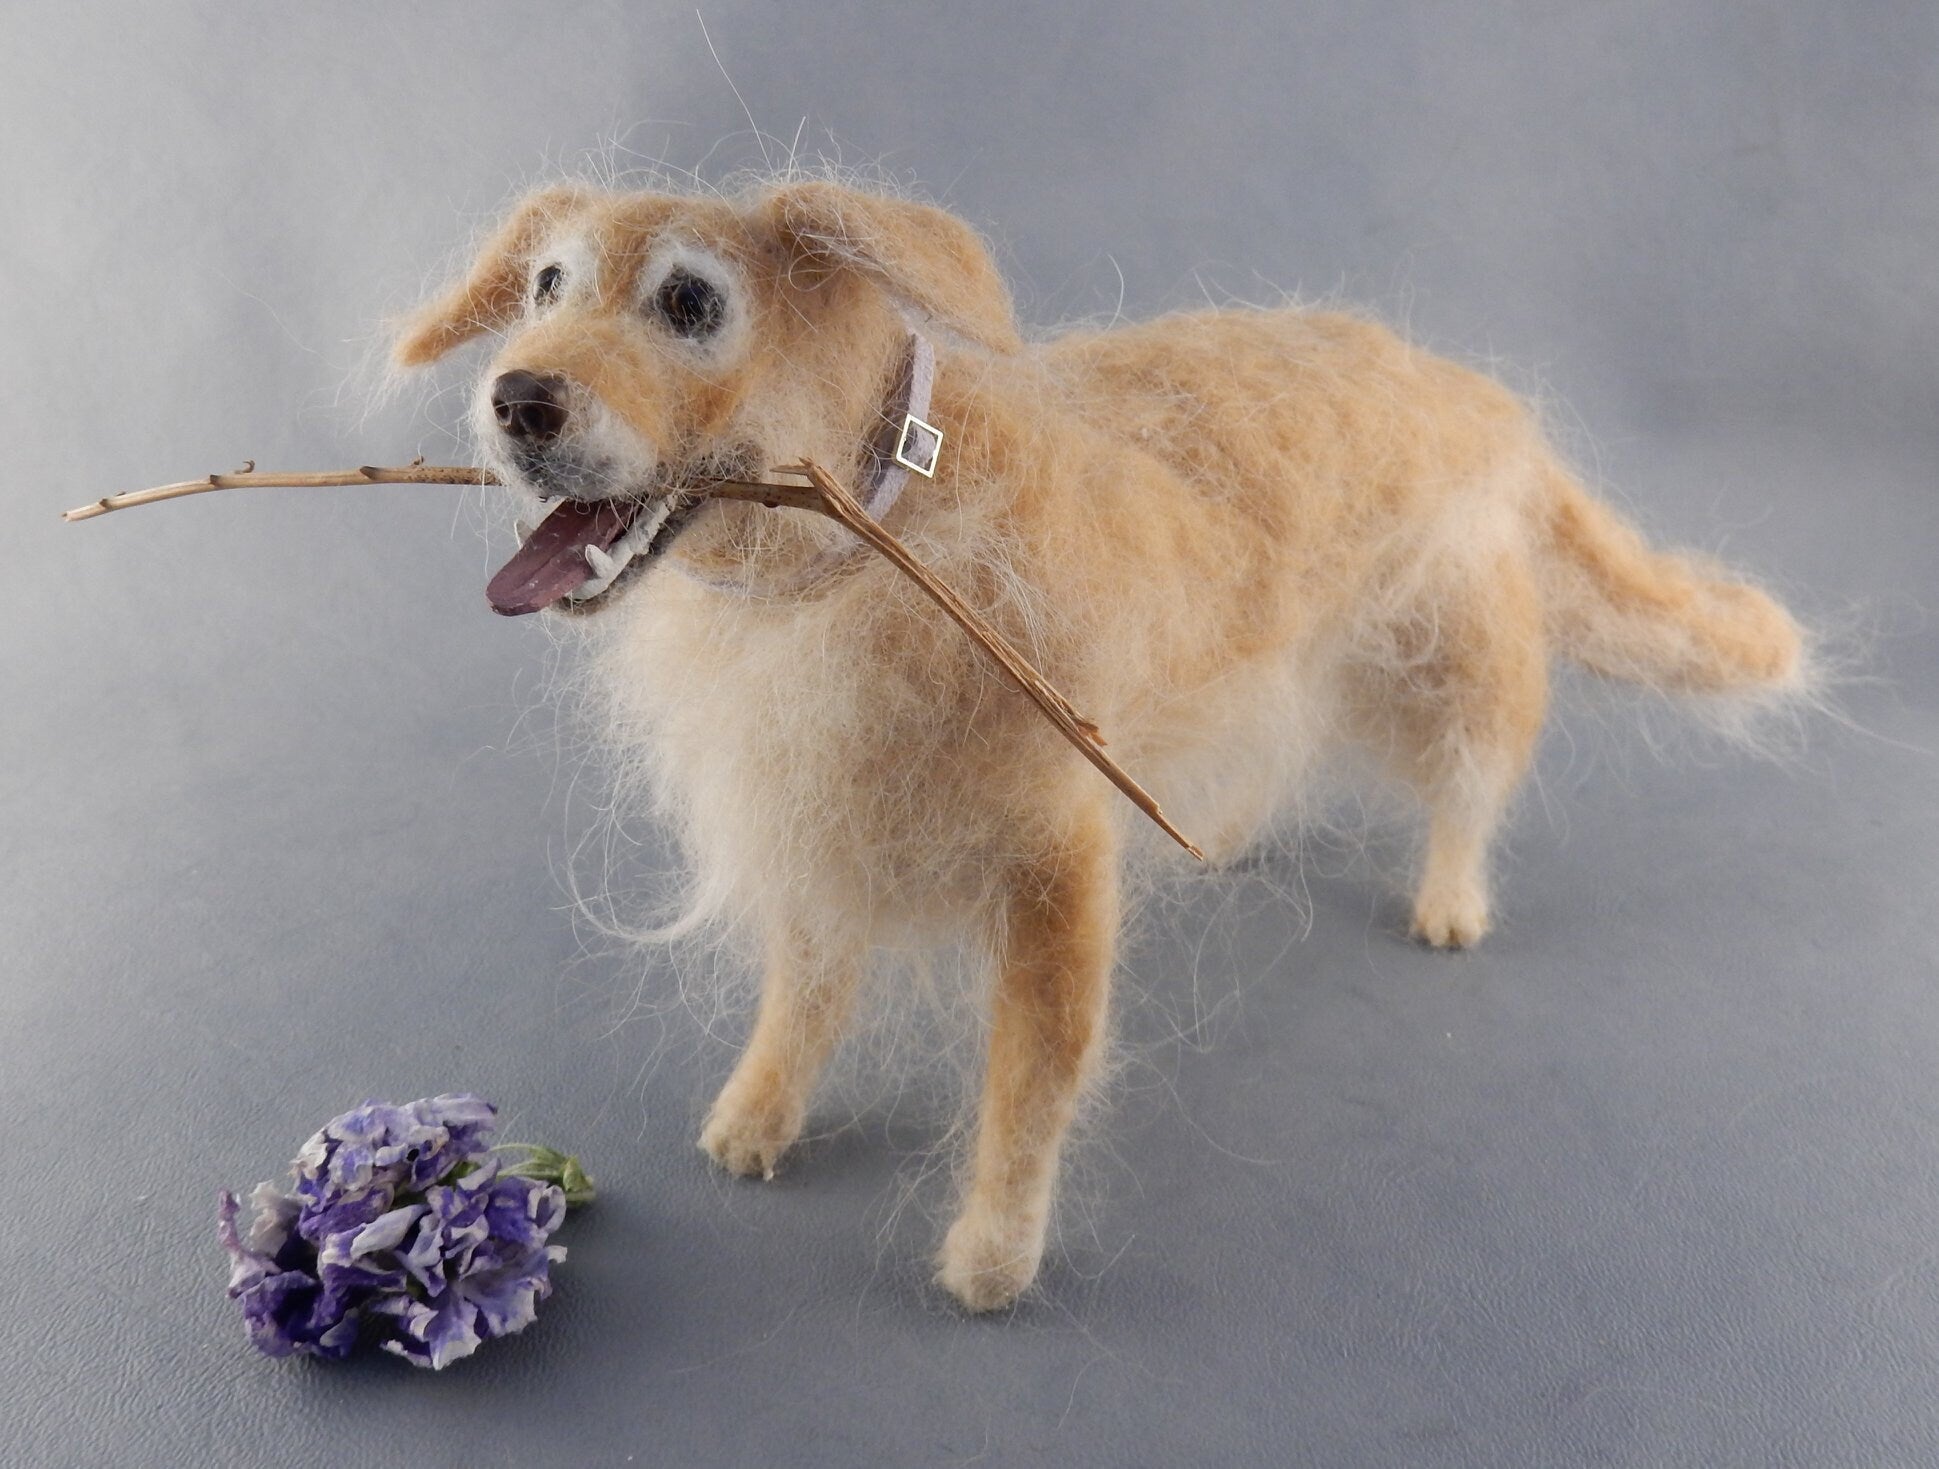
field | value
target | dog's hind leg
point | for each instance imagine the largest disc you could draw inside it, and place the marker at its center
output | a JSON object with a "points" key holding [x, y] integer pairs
{"points": [[1477, 716], [809, 983], [1453, 699], [1058, 936]]}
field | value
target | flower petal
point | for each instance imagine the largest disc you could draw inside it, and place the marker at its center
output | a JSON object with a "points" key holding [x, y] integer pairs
{"points": [[434, 1336], [452, 1331], [319, 1222], [246, 1265], [276, 1214], [524, 1211], [424, 1257], [384, 1232]]}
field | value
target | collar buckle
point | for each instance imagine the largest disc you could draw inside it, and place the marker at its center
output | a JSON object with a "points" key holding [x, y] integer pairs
{"points": [[918, 446]]}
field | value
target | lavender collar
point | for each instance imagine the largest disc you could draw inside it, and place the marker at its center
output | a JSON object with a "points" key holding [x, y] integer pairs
{"points": [[903, 443]]}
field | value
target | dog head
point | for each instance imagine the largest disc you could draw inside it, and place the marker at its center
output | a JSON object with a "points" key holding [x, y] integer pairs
{"points": [[650, 342]]}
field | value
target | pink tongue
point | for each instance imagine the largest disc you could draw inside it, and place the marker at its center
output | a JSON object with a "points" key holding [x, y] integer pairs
{"points": [[553, 559]]}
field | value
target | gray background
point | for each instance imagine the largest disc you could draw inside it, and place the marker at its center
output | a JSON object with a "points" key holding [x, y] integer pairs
{"points": [[1651, 1179]]}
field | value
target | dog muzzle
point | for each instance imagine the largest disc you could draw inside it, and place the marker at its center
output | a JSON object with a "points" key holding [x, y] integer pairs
{"points": [[582, 547]]}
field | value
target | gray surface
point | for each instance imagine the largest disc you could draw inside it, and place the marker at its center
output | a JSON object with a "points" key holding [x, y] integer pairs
{"points": [[1650, 1180]]}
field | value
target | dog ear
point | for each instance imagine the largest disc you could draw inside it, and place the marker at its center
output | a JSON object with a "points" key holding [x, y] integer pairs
{"points": [[493, 290], [928, 257]]}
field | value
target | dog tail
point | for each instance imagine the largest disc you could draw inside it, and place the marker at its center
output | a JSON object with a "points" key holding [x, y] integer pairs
{"points": [[1667, 619]]}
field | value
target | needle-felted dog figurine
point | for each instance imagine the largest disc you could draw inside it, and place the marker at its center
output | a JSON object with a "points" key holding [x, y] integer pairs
{"points": [[1239, 539]]}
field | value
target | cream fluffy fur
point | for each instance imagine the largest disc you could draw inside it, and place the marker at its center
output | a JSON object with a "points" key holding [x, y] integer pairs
{"points": [[1237, 539]]}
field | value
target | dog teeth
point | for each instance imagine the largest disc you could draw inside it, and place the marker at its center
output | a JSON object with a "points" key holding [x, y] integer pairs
{"points": [[605, 565], [640, 537]]}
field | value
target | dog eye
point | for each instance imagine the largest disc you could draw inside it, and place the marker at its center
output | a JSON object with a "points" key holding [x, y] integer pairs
{"points": [[545, 288], [691, 306]]}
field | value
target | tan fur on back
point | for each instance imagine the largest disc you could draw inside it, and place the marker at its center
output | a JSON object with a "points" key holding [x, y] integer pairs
{"points": [[1238, 539]]}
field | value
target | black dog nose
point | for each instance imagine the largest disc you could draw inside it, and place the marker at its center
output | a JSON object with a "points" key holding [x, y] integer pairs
{"points": [[528, 407]]}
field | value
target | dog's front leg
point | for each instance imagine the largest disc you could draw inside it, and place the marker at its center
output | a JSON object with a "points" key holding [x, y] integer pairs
{"points": [[1057, 939], [805, 995]]}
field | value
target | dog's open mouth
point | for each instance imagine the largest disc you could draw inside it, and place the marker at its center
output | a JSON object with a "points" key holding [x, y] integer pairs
{"points": [[586, 548]]}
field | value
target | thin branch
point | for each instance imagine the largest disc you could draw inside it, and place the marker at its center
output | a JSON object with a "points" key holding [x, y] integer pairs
{"points": [[1082, 733], [823, 494], [417, 472]]}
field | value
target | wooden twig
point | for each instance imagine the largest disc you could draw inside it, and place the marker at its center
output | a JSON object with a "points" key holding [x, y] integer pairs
{"points": [[822, 494], [838, 504], [415, 473]]}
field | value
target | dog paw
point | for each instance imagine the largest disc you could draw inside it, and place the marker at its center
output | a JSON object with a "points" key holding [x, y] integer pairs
{"points": [[748, 1140], [985, 1263], [1450, 920]]}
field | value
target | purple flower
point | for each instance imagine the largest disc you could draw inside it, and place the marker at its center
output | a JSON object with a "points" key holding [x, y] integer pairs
{"points": [[478, 1256], [402, 1227], [376, 1150], [284, 1306]]}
